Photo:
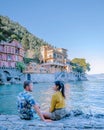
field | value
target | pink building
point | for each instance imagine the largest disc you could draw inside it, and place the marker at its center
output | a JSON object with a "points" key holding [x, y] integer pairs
{"points": [[10, 53]]}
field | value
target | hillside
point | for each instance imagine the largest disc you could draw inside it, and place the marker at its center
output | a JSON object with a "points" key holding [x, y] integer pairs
{"points": [[10, 30]]}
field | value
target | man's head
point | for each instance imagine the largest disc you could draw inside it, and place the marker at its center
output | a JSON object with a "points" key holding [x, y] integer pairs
{"points": [[28, 86]]}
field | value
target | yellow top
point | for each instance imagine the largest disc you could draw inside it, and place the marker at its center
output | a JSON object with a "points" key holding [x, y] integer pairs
{"points": [[58, 101]]}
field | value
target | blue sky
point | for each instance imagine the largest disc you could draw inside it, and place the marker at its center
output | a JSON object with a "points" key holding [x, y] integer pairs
{"points": [[77, 25]]}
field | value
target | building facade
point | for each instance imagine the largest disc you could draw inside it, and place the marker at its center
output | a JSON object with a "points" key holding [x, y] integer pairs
{"points": [[10, 53], [55, 59], [53, 55]]}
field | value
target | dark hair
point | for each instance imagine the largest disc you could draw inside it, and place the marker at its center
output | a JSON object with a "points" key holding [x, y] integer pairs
{"points": [[61, 87], [26, 83]]}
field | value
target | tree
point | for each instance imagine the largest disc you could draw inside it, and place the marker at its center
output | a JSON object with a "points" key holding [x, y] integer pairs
{"points": [[25, 42], [80, 65], [20, 66], [13, 36], [88, 67]]}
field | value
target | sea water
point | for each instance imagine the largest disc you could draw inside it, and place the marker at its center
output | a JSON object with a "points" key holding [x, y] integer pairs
{"points": [[84, 99]]}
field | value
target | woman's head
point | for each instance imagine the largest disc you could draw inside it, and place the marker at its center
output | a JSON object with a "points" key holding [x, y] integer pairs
{"points": [[59, 86]]}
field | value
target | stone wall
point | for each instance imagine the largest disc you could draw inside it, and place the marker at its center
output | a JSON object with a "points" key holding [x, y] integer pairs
{"points": [[62, 76], [12, 75], [45, 78]]}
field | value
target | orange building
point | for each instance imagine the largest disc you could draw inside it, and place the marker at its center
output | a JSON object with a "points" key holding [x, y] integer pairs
{"points": [[53, 55], [55, 59]]}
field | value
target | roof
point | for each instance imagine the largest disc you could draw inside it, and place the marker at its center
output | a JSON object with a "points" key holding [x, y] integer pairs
{"points": [[14, 43]]}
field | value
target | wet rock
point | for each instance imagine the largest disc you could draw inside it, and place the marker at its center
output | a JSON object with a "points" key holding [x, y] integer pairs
{"points": [[13, 122]]}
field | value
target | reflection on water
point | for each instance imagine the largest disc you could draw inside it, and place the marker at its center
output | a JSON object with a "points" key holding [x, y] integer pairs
{"points": [[87, 96]]}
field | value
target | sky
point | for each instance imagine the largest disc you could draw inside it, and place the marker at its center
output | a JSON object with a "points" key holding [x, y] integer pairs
{"points": [[76, 25]]}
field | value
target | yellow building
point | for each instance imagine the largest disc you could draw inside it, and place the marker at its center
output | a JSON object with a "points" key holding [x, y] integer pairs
{"points": [[55, 59], [53, 55]]}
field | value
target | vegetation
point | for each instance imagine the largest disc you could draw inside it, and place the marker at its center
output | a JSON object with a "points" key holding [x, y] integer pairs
{"points": [[80, 65], [28, 60], [10, 30], [20, 66]]}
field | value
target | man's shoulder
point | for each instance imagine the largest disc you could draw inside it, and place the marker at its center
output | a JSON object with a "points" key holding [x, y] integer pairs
{"points": [[23, 94]]}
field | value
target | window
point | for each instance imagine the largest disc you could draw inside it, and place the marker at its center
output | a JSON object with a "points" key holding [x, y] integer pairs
{"points": [[0, 56], [17, 51], [16, 58], [9, 57], [8, 49], [12, 50], [1, 48], [54, 55]]}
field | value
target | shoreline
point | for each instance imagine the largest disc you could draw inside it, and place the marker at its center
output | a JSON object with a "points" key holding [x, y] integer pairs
{"points": [[13, 122], [48, 78]]}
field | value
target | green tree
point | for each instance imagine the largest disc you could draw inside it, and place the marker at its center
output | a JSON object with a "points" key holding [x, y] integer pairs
{"points": [[80, 65], [20, 66], [10, 30], [25, 42], [28, 60], [14, 36]]}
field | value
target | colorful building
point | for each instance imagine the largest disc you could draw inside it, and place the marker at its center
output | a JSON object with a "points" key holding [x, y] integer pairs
{"points": [[53, 55], [55, 59], [10, 53], [52, 60]]}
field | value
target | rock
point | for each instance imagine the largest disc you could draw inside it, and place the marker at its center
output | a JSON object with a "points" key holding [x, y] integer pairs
{"points": [[13, 122]]}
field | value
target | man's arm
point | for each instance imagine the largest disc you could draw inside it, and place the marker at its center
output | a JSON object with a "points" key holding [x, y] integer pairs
{"points": [[39, 112], [37, 109]]}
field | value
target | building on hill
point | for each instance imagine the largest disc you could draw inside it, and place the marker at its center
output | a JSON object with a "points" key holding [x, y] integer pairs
{"points": [[10, 53], [55, 59], [53, 55]]}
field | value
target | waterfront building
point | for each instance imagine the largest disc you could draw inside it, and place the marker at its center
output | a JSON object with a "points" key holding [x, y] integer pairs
{"points": [[53, 55], [10, 53], [55, 59]]}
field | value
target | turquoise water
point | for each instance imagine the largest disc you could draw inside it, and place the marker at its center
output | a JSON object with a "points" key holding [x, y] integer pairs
{"points": [[86, 96]]}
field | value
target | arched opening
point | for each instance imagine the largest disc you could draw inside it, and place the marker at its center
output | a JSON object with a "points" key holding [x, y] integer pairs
{"points": [[7, 75]]}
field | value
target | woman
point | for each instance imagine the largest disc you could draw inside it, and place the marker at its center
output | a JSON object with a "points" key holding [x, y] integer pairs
{"points": [[57, 109]]}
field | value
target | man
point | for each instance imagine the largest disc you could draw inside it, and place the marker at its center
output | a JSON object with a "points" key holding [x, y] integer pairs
{"points": [[27, 104]]}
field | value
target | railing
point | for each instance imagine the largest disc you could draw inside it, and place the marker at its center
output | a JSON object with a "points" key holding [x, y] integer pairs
{"points": [[4, 67]]}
